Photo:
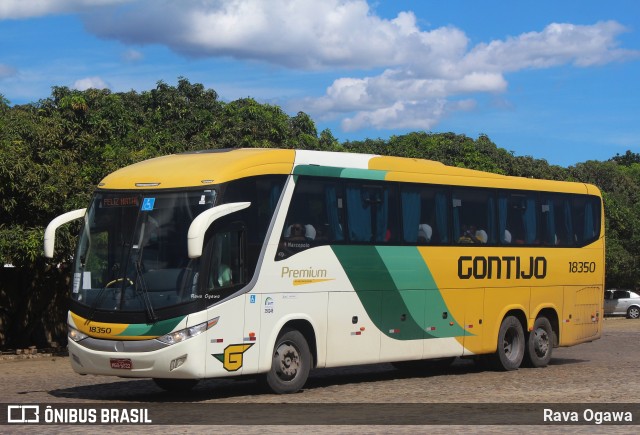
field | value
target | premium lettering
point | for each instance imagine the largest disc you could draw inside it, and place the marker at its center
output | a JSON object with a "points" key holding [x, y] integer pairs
{"points": [[303, 273]]}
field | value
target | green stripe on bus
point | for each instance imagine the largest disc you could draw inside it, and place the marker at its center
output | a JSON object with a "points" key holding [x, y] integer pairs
{"points": [[157, 329], [336, 172], [398, 291], [365, 174], [418, 288], [317, 171], [407, 268]]}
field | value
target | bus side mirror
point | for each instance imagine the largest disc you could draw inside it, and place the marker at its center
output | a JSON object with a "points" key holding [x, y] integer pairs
{"points": [[199, 226], [50, 232]]}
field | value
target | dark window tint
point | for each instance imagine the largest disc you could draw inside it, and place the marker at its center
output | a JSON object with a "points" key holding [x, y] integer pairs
{"points": [[263, 193], [586, 219], [570, 220], [371, 213], [425, 217], [315, 216], [518, 218], [474, 216], [333, 211]]}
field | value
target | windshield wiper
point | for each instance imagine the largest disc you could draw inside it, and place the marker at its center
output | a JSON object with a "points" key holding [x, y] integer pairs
{"points": [[142, 289]]}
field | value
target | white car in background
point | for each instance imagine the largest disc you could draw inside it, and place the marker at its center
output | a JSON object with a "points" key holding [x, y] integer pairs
{"points": [[622, 303]]}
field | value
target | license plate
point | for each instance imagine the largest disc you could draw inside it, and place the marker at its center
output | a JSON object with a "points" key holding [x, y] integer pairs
{"points": [[121, 363]]}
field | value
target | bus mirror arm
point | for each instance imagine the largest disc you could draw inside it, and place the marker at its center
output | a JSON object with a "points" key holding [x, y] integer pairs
{"points": [[50, 232], [199, 226]]}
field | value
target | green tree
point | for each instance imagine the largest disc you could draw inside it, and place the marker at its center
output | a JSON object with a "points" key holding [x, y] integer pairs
{"points": [[55, 151], [327, 141], [629, 158]]}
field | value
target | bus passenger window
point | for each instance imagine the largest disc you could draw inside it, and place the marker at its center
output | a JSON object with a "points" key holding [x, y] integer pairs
{"points": [[555, 226], [372, 213], [424, 214], [474, 216], [314, 217], [586, 219], [570, 220], [518, 219]]}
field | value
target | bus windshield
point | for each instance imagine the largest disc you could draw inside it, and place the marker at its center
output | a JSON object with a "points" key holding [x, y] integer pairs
{"points": [[132, 253]]}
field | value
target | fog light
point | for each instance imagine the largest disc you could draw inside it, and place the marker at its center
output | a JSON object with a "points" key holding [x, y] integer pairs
{"points": [[177, 362]]}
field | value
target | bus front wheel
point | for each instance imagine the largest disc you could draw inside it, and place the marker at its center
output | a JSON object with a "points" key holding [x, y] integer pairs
{"points": [[539, 343], [291, 363], [510, 345]]}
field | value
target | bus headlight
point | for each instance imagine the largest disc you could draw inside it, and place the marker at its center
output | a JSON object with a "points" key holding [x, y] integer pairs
{"points": [[183, 334], [75, 335]]}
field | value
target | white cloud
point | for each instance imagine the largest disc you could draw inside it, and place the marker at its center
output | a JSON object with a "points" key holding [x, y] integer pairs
{"points": [[422, 115], [425, 73], [301, 34], [557, 44], [90, 83], [348, 94], [412, 95]]}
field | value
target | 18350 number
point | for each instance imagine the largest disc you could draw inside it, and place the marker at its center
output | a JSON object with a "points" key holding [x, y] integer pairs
{"points": [[582, 267]]}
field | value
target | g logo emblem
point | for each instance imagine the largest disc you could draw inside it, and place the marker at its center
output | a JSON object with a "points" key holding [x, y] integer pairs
{"points": [[232, 357]]}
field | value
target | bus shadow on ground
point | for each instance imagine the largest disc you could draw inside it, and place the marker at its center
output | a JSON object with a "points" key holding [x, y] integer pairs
{"points": [[146, 391], [566, 361]]}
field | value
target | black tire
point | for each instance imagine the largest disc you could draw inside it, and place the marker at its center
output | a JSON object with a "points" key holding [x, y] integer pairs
{"points": [[424, 365], [633, 312], [539, 344], [290, 364], [176, 385], [511, 345]]}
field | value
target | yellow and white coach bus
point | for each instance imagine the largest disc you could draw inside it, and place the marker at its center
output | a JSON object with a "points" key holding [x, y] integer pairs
{"points": [[273, 262]]}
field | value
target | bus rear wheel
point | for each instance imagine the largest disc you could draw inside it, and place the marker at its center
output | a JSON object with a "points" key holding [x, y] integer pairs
{"points": [[511, 345], [539, 344], [290, 365]]}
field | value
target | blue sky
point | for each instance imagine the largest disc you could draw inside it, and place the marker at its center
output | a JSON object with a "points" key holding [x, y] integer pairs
{"points": [[556, 80]]}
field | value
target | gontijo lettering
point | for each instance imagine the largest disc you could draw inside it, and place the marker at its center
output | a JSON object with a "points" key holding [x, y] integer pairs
{"points": [[508, 267]]}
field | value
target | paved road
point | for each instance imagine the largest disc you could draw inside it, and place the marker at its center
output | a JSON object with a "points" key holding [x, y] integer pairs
{"points": [[605, 371]]}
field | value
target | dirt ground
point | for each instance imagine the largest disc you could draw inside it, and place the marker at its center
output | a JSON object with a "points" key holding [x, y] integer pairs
{"points": [[603, 372]]}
